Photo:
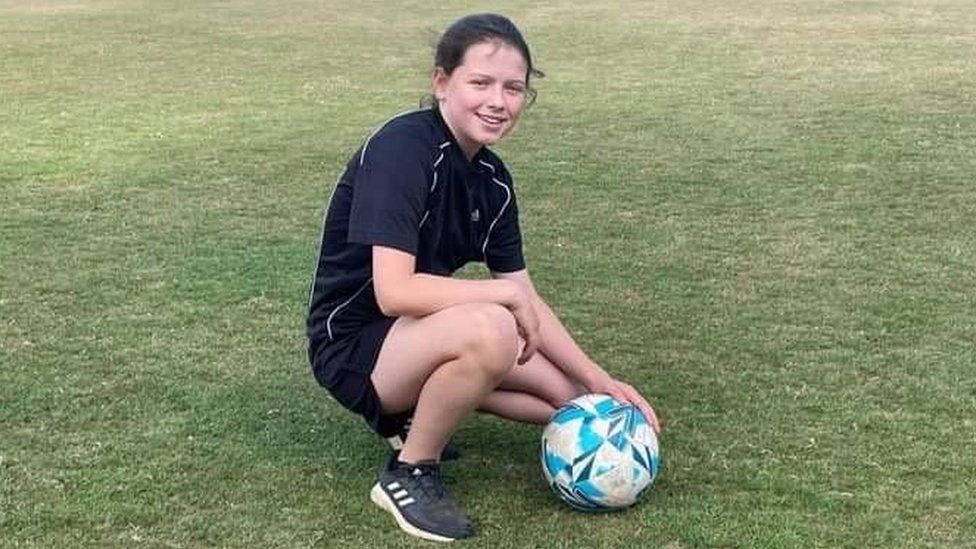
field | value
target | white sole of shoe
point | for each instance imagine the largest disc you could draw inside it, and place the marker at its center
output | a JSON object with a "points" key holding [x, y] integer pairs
{"points": [[379, 497]]}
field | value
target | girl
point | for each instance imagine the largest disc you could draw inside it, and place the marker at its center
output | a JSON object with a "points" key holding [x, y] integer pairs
{"points": [[391, 335]]}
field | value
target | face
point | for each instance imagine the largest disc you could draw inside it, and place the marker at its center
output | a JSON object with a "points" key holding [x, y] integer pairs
{"points": [[483, 97]]}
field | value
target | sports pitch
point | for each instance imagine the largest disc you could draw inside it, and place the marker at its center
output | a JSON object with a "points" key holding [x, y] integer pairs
{"points": [[761, 213]]}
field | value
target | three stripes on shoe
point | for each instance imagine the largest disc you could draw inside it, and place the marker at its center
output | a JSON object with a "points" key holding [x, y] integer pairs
{"points": [[400, 496]]}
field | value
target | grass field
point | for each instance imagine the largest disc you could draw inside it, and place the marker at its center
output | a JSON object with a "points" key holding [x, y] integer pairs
{"points": [[762, 213]]}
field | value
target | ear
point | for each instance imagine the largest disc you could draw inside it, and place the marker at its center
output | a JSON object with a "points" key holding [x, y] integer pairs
{"points": [[439, 83]]}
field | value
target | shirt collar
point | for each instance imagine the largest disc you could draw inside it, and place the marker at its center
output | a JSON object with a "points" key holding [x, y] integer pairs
{"points": [[478, 156]]}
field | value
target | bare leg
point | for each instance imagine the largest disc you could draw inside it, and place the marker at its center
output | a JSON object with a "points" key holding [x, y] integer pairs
{"points": [[517, 406], [445, 364], [532, 392]]}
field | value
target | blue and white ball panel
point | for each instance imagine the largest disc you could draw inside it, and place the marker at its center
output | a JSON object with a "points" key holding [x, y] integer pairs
{"points": [[599, 454]]}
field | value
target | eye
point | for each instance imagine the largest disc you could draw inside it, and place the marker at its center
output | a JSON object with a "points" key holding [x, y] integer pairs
{"points": [[479, 83], [515, 89]]}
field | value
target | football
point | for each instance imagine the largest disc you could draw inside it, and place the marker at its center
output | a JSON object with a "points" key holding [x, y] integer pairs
{"points": [[599, 454]]}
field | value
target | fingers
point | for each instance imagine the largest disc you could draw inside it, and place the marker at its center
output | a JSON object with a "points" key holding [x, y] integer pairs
{"points": [[628, 393], [527, 353], [651, 418], [528, 326], [530, 347], [646, 408]]}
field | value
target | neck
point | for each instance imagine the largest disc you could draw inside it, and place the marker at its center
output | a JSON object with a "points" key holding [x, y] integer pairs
{"points": [[468, 148]]}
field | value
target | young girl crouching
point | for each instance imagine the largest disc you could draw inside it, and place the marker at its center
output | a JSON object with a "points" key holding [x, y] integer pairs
{"points": [[392, 336]]}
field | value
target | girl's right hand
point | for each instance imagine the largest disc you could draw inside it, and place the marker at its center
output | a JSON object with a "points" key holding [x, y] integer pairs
{"points": [[528, 324]]}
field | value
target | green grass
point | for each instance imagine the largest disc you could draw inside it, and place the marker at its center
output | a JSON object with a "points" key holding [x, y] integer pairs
{"points": [[761, 213]]}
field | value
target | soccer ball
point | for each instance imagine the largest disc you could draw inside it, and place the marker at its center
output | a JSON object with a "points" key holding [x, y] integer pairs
{"points": [[599, 454]]}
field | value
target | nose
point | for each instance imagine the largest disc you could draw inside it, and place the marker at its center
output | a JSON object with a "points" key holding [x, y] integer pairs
{"points": [[496, 97]]}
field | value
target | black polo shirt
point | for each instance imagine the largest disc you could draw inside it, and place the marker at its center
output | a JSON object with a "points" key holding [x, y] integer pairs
{"points": [[409, 187]]}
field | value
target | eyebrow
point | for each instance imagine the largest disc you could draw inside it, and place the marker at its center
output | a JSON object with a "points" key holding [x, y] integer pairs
{"points": [[489, 77]]}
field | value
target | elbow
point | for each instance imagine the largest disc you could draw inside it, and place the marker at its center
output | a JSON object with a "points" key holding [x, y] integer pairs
{"points": [[385, 304], [388, 302]]}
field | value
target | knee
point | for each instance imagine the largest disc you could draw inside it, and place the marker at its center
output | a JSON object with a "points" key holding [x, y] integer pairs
{"points": [[492, 337]]}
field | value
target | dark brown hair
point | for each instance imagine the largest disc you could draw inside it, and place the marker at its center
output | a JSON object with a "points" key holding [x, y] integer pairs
{"points": [[476, 29]]}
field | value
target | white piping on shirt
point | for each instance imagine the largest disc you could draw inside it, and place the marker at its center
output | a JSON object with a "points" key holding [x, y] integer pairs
{"points": [[508, 198], [362, 154], [433, 185], [328, 322], [318, 260]]}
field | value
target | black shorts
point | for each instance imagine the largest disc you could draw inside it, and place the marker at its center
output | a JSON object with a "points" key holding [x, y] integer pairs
{"points": [[343, 366]]}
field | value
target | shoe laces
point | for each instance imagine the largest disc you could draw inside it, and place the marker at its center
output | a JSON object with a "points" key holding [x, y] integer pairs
{"points": [[429, 479]]}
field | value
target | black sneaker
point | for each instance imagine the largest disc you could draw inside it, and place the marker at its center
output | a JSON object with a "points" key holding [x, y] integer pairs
{"points": [[415, 496], [449, 453]]}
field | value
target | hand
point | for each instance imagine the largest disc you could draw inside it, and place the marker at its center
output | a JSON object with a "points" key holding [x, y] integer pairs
{"points": [[528, 325], [624, 392]]}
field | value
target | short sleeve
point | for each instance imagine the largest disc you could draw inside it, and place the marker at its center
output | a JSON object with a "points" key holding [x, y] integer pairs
{"points": [[504, 251], [390, 192]]}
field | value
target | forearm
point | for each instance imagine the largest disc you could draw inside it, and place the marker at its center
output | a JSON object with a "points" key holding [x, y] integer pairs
{"points": [[423, 294], [560, 348]]}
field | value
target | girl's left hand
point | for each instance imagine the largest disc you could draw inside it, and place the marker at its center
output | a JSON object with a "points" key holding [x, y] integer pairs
{"points": [[624, 392]]}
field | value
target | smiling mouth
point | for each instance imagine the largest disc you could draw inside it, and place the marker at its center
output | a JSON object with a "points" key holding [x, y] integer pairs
{"points": [[491, 120]]}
